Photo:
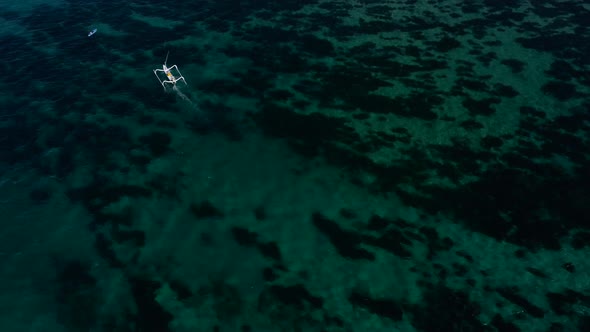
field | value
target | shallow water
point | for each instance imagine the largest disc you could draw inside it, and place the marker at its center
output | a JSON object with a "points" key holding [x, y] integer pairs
{"points": [[330, 166]]}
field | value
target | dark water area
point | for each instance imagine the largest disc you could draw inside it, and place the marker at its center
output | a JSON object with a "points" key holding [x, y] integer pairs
{"points": [[329, 166]]}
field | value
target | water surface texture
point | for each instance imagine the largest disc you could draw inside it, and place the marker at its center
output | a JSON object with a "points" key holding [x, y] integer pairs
{"points": [[331, 166]]}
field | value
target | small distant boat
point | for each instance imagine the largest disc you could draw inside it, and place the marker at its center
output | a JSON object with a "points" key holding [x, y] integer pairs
{"points": [[92, 32]]}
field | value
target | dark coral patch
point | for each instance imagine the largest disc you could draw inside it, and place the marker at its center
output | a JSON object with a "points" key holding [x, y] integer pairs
{"points": [[516, 66], [40, 195], [150, 315], [382, 307], [391, 240], [418, 105], [503, 90], [297, 296], [244, 237], [511, 294], [270, 250], [446, 44], [491, 142], [480, 107], [471, 125], [347, 243], [260, 213], [157, 143], [307, 134], [77, 297], [562, 71], [205, 209], [581, 240], [560, 90], [444, 309]]}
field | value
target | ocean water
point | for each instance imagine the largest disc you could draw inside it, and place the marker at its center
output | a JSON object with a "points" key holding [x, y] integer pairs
{"points": [[330, 166]]}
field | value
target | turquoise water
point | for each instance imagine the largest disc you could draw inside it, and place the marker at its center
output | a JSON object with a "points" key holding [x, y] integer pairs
{"points": [[329, 166]]}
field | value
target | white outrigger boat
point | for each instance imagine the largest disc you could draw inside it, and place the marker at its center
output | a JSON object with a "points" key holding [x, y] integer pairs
{"points": [[171, 78]]}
